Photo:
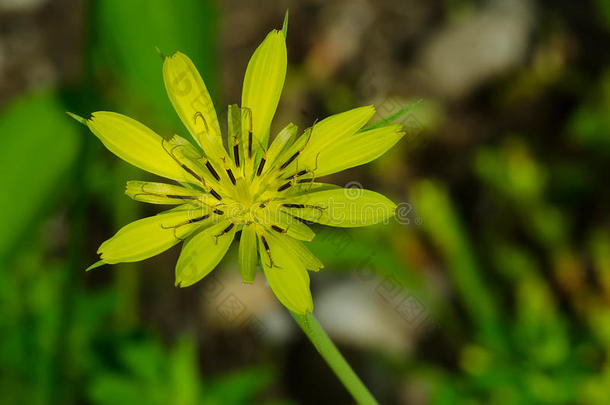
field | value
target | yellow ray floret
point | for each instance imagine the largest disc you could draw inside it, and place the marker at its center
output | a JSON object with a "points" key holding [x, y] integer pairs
{"points": [[266, 196]]}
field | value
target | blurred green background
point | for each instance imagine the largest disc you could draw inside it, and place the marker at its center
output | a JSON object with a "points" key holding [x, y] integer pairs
{"points": [[492, 288]]}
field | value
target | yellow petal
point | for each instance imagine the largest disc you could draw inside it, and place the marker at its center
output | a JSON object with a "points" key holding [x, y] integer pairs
{"points": [[191, 100], [287, 277], [263, 83], [356, 149], [150, 236], [136, 144], [349, 207], [282, 141], [306, 151], [337, 127], [248, 255], [298, 250], [295, 190], [240, 136], [234, 135], [282, 222], [202, 253], [187, 156], [161, 193]]}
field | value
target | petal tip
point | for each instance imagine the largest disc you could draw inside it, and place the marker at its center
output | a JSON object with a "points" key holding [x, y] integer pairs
{"points": [[185, 282], [285, 24], [95, 265], [77, 117], [161, 54]]}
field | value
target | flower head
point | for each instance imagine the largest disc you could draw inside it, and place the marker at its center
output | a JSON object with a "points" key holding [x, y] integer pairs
{"points": [[268, 193]]}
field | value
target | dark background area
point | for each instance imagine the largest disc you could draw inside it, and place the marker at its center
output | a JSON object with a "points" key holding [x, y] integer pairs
{"points": [[493, 285]]}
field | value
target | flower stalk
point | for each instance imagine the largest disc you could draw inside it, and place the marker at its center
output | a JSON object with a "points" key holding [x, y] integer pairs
{"points": [[329, 352]]}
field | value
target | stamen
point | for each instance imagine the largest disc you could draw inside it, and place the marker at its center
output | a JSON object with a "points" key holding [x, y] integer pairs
{"points": [[227, 229], [299, 174], [260, 167], [201, 218], [180, 197], [266, 245], [278, 229], [282, 167], [250, 143], [215, 194], [236, 154], [230, 173], [188, 170], [212, 170], [250, 129], [293, 205], [188, 221], [315, 207], [304, 221], [218, 212], [284, 187], [182, 165]]}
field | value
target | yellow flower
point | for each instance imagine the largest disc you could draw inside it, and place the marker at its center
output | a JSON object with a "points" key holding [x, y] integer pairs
{"points": [[269, 194]]}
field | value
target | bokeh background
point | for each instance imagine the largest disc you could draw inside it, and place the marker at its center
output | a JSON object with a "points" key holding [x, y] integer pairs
{"points": [[493, 286]]}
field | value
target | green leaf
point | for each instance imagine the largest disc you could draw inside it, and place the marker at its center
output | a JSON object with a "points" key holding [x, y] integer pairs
{"points": [[127, 33], [285, 25], [393, 117], [39, 145]]}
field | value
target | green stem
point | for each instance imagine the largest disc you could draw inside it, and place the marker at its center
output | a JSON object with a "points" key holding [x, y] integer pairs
{"points": [[334, 359]]}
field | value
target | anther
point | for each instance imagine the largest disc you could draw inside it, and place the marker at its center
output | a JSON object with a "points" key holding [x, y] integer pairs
{"points": [[282, 167], [236, 154], [266, 245], [230, 174], [188, 221], [188, 170], [180, 197], [278, 229], [182, 165], [226, 230], [212, 170], [250, 143], [293, 205], [284, 187], [201, 218], [215, 194], [260, 167]]}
